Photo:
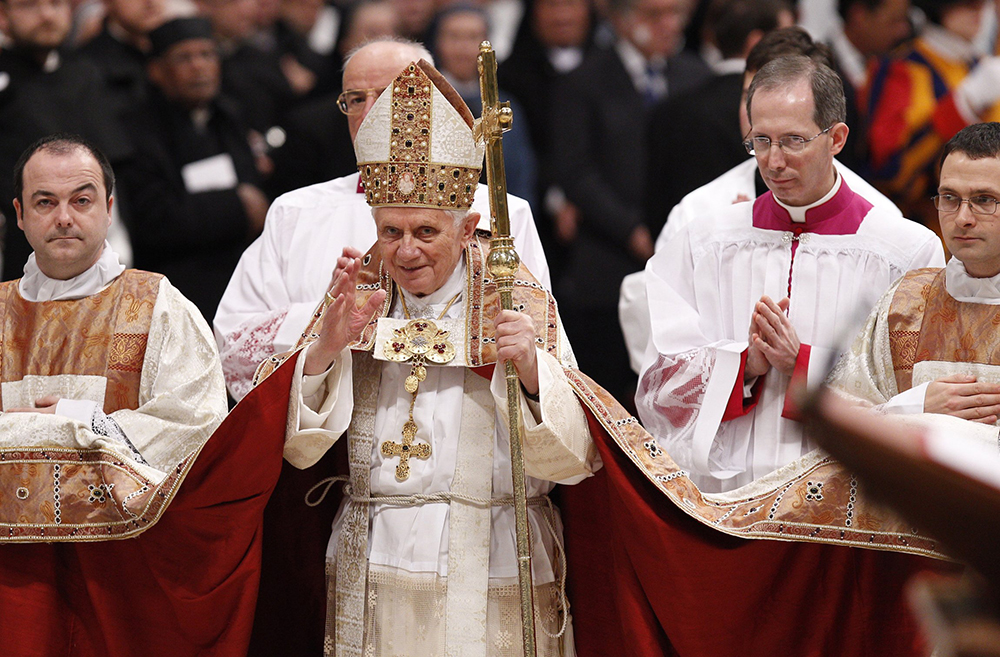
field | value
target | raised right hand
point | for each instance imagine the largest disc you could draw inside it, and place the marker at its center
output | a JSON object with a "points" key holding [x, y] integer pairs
{"points": [[342, 321]]}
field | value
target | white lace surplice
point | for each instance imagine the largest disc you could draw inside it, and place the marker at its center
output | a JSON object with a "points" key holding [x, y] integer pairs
{"points": [[702, 288]]}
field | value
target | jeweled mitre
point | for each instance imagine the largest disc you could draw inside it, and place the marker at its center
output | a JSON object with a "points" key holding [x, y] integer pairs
{"points": [[416, 146]]}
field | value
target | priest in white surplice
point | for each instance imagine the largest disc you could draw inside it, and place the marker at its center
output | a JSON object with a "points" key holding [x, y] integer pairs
{"points": [[433, 569], [743, 299], [282, 276]]}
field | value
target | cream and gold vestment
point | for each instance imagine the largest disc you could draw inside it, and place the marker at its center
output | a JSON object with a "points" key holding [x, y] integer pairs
{"points": [[433, 575], [138, 357]]}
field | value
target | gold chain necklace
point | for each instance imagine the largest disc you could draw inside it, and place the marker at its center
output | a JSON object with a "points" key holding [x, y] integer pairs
{"points": [[419, 341]]}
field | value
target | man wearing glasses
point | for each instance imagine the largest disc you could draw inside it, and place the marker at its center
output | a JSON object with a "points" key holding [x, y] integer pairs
{"points": [[744, 299], [946, 366], [282, 276]]}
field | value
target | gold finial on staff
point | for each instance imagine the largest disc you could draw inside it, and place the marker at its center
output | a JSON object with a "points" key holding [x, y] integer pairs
{"points": [[503, 264]]}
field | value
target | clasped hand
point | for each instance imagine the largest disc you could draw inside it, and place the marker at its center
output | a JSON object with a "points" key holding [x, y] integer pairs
{"points": [[773, 340]]}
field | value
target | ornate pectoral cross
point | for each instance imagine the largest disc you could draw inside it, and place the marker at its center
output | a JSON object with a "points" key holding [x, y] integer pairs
{"points": [[406, 449], [420, 341]]}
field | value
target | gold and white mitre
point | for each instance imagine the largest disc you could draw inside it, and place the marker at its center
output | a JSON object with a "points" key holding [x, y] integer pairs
{"points": [[416, 147]]}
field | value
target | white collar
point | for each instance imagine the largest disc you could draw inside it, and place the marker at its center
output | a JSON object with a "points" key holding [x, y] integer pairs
{"points": [[798, 212], [565, 59], [731, 65], [36, 286], [968, 289], [948, 44], [433, 304]]}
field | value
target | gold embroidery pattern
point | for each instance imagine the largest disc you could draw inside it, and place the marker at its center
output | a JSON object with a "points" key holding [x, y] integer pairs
{"points": [[409, 177], [844, 516], [67, 495], [127, 352], [79, 336], [926, 323]]}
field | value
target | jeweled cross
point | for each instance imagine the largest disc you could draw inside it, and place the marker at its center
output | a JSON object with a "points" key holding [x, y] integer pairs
{"points": [[405, 450]]}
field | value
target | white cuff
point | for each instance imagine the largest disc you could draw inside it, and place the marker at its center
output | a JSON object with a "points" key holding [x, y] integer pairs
{"points": [[908, 402], [320, 393], [81, 410]]}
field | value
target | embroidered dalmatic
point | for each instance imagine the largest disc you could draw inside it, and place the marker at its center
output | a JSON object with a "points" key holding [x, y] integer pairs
{"points": [[702, 287], [143, 461], [441, 577], [932, 323]]}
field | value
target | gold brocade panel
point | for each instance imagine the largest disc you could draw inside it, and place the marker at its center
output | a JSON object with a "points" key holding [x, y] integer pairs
{"points": [[100, 335], [928, 324]]}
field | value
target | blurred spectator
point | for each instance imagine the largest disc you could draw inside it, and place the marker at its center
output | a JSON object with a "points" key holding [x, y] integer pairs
{"points": [[504, 17], [264, 84], [709, 115], [317, 146], [455, 37], [551, 42], [415, 18], [120, 49], [88, 17], [599, 158], [191, 187], [43, 91], [287, 28], [871, 29], [922, 95], [365, 21]]}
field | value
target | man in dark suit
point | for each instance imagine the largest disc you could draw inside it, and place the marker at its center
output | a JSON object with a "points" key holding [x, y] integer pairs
{"points": [[191, 188], [708, 117], [599, 145], [119, 50]]}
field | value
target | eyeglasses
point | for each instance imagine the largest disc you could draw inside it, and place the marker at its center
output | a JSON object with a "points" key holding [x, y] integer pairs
{"points": [[353, 101], [980, 204], [788, 144]]}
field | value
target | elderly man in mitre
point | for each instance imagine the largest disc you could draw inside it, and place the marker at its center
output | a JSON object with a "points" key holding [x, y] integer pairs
{"points": [[402, 356]]}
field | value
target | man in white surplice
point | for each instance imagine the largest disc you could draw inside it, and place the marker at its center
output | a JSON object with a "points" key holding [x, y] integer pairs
{"points": [[282, 276], [436, 576], [743, 299]]}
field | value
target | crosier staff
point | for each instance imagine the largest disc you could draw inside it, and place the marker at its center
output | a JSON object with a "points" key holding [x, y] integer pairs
{"points": [[503, 263]]}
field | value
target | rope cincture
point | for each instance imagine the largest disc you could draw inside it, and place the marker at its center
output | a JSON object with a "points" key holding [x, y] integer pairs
{"points": [[447, 497]]}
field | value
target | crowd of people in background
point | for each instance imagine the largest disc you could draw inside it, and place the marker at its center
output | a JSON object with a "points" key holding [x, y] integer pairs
{"points": [[211, 109]]}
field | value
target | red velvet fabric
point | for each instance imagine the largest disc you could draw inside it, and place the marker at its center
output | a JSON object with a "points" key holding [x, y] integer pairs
{"points": [[186, 586], [669, 585]]}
